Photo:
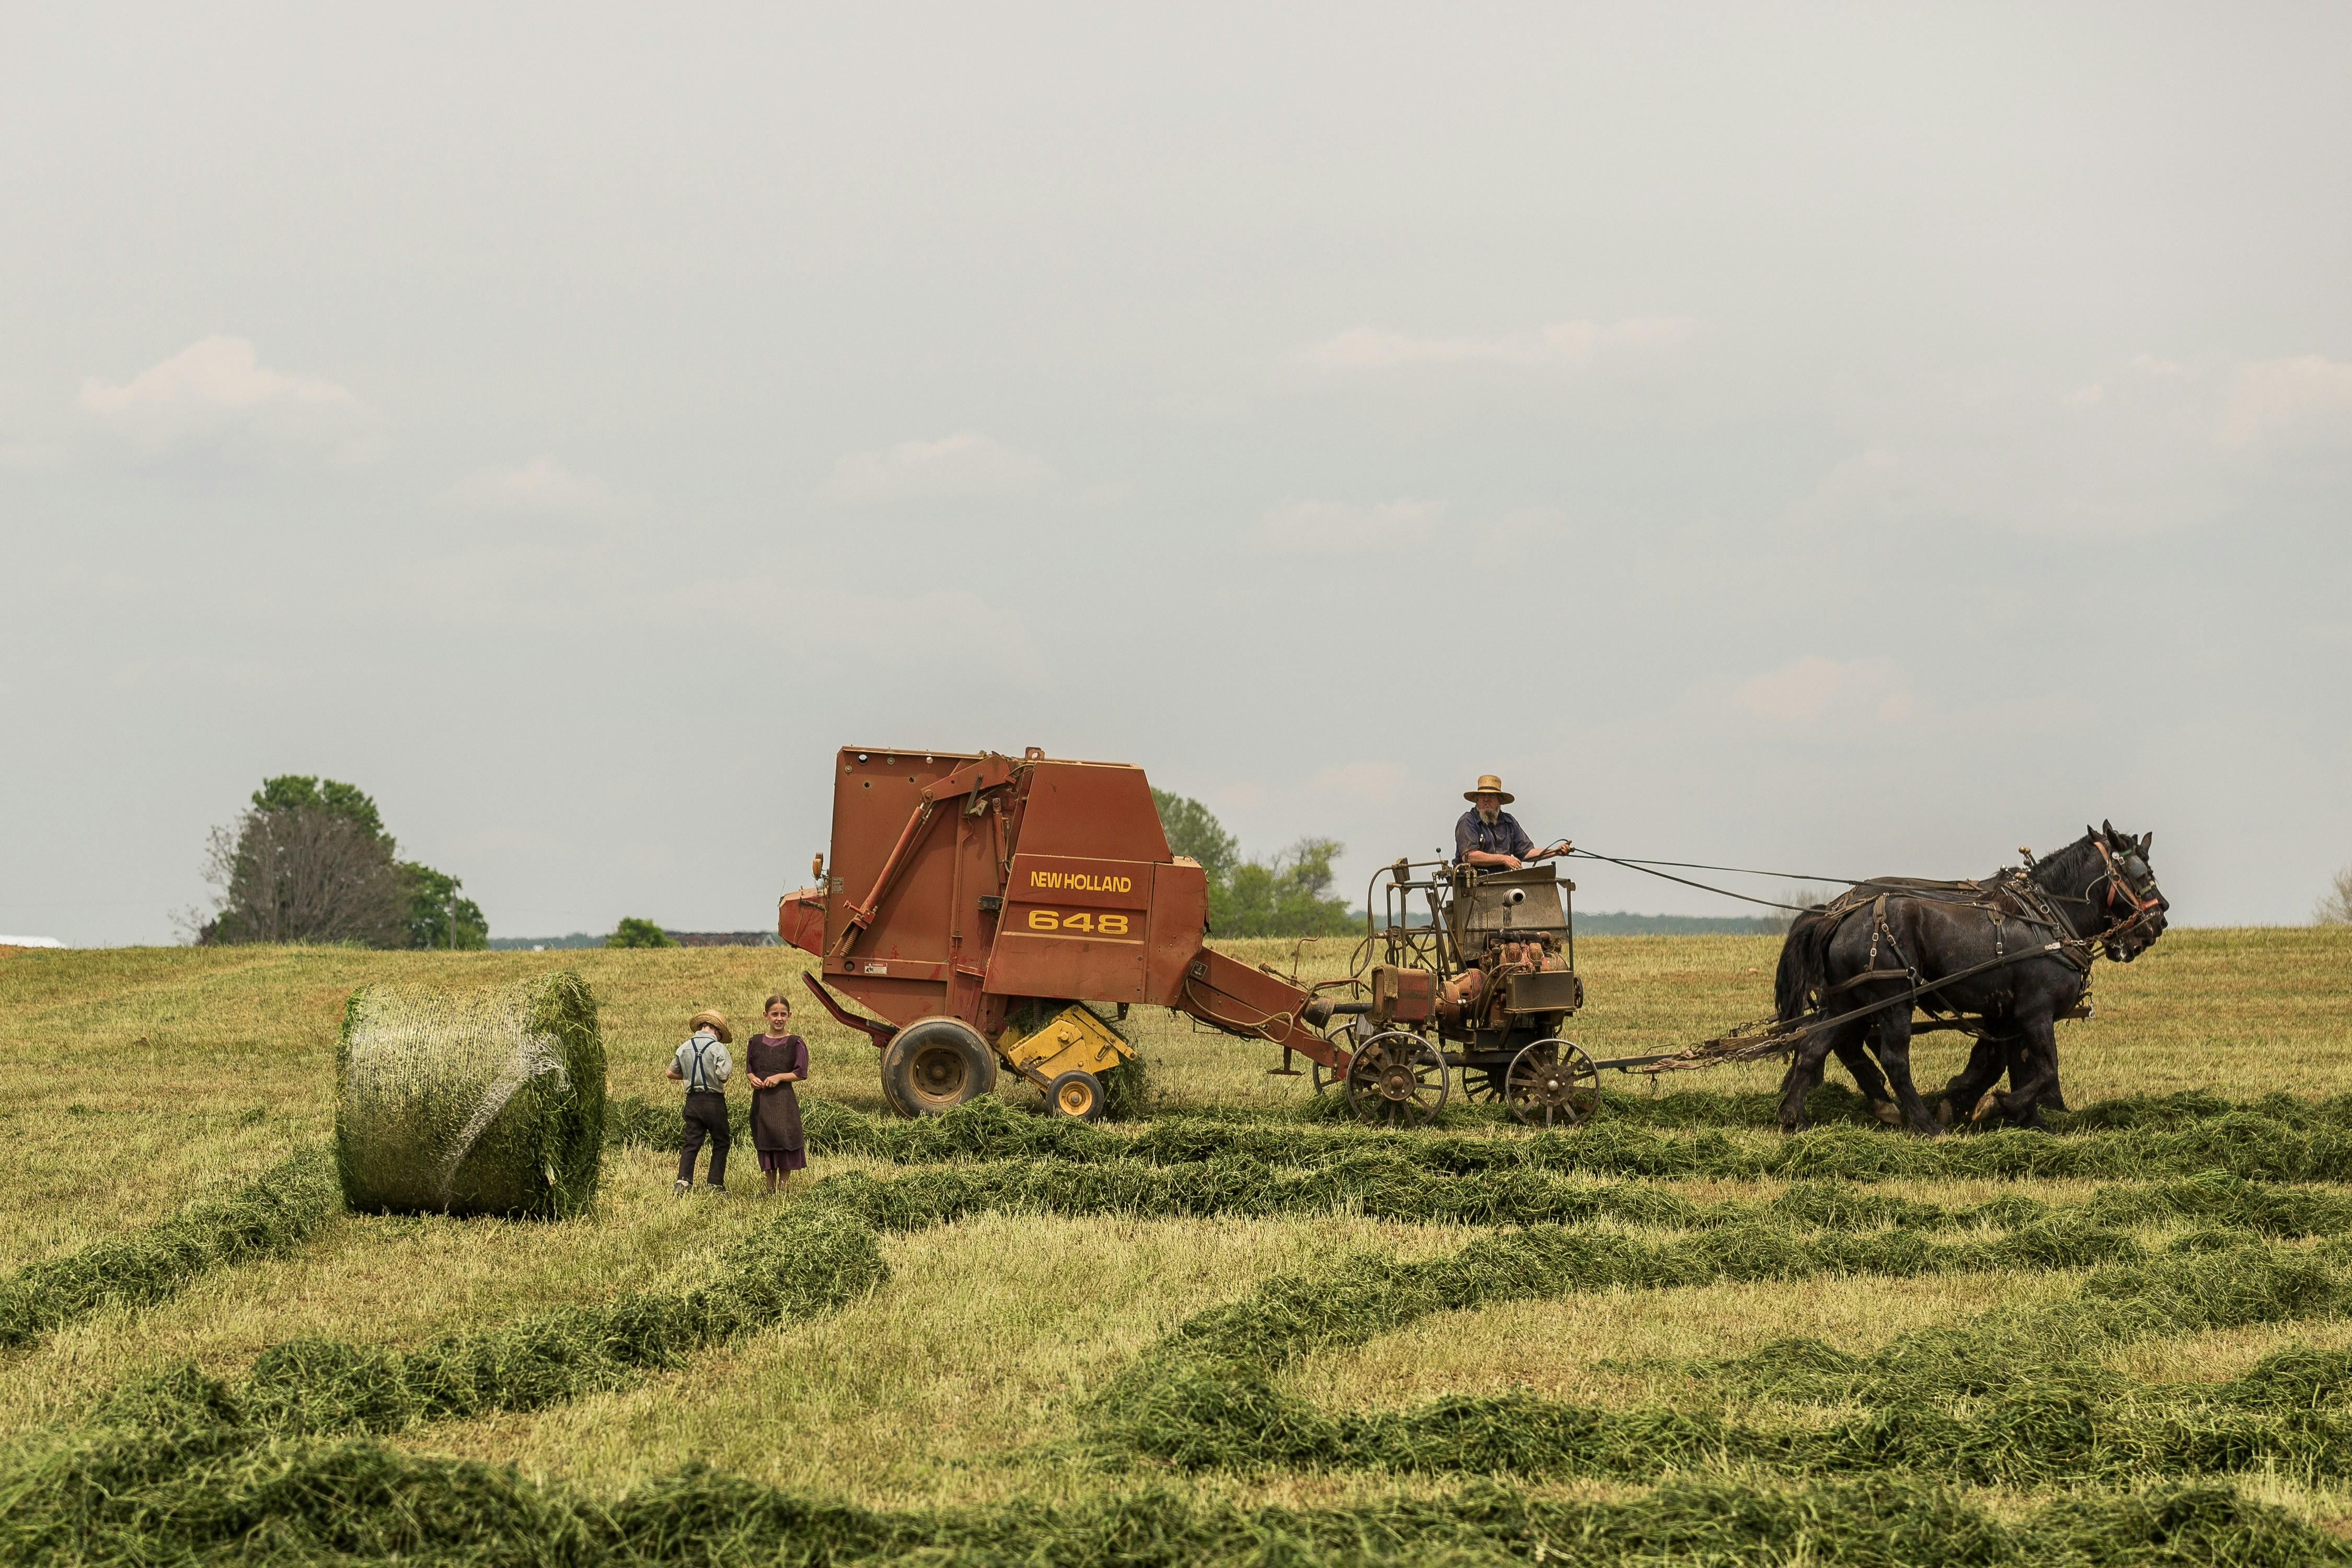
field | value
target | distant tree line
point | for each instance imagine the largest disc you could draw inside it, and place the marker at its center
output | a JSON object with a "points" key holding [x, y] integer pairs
{"points": [[1289, 895], [309, 860]]}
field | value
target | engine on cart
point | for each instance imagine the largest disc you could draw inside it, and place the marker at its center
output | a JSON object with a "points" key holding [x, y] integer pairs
{"points": [[1490, 972]]}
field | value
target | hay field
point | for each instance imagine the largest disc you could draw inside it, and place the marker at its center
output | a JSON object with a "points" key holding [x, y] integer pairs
{"points": [[1030, 1353]]}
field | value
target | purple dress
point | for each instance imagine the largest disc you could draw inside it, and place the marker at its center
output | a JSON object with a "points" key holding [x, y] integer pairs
{"points": [[776, 1113]]}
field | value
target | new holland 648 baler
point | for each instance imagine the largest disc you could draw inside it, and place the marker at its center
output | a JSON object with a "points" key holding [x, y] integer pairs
{"points": [[989, 907], [975, 903]]}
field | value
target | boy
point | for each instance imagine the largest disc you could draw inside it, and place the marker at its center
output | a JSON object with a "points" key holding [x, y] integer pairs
{"points": [[701, 1063]]}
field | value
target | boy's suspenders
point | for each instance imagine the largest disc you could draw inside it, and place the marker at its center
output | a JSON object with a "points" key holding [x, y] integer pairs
{"points": [[696, 1083]]}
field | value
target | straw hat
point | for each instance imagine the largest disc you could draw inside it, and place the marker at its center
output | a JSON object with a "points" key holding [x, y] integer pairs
{"points": [[718, 1022], [1487, 782]]}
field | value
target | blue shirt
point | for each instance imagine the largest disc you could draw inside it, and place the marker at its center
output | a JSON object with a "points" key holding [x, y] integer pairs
{"points": [[1505, 838]]}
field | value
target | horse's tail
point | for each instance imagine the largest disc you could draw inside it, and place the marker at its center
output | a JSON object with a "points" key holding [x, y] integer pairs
{"points": [[1802, 972]]}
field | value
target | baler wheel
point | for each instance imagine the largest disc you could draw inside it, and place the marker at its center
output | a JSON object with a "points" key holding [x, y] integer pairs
{"points": [[1077, 1093], [1397, 1079], [934, 1064]]}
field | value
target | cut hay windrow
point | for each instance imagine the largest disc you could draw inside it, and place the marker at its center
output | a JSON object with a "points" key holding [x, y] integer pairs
{"points": [[1759, 1110], [277, 1211], [2243, 1143], [1377, 1185], [2058, 1428], [198, 1489], [807, 1261], [489, 1101], [2033, 1405], [823, 1251]]}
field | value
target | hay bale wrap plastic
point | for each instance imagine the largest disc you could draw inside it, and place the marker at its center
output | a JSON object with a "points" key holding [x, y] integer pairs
{"points": [[484, 1101]]}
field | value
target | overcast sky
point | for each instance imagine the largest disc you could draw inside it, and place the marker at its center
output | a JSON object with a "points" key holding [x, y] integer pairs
{"points": [[1838, 439]]}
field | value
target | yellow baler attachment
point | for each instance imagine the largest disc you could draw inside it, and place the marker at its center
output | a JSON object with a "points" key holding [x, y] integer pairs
{"points": [[1074, 1040]]}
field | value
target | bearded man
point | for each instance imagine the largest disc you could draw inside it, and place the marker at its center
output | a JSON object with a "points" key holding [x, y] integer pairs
{"points": [[1491, 839]]}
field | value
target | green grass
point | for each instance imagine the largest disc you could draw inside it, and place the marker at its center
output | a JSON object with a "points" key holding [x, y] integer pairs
{"points": [[925, 1344]]}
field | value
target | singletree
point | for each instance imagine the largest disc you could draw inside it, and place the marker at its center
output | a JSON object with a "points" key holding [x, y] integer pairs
{"points": [[635, 933]]}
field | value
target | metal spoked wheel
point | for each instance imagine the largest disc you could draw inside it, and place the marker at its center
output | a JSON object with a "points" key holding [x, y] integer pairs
{"points": [[1483, 1086], [1397, 1079], [1321, 1077], [1552, 1083]]}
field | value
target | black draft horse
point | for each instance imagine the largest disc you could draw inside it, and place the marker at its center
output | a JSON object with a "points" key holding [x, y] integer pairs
{"points": [[1888, 936]]}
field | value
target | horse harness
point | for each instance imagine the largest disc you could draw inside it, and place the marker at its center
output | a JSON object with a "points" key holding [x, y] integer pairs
{"points": [[2012, 895], [1998, 897]]}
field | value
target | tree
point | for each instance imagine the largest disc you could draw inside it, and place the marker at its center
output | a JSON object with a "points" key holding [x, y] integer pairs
{"points": [[298, 867], [2335, 908], [1290, 896], [432, 899], [1193, 831], [310, 861], [635, 933], [1805, 898], [297, 792]]}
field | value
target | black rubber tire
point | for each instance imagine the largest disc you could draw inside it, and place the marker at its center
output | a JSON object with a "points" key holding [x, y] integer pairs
{"points": [[1077, 1093], [934, 1064], [890, 1095]]}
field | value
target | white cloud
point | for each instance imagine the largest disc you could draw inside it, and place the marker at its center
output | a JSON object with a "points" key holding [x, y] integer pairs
{"points": [[2309, 395], [216, 395], [2146, 445], [1559, 345], [28, 456], [1320, 527], [541, 488], [944, 628], [1351, 528], [1359, 783], [1813, 689], [965, 464], [1866, 479]]}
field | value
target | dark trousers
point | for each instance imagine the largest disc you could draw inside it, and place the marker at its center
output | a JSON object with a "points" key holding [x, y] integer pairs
{"points": [[706, 1117]]}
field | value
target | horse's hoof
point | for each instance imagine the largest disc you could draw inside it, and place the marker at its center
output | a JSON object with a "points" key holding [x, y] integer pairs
{"points": [[1987, 1106], [1944, 1109], [1887, 1111], [1791, 1129], [1930, 1130]]}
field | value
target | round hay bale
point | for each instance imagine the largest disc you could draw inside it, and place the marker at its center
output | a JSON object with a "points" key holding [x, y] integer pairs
{"points": [[487, 1101]]}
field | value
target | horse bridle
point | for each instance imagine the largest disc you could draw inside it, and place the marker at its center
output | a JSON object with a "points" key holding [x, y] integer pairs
{"points": [[2146, 902]]}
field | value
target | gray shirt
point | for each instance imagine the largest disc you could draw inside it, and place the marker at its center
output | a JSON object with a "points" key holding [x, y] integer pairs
{"points": [[704, 1063]]}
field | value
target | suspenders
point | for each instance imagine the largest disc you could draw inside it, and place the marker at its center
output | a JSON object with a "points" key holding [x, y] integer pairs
{"points": [[696, 1081]]}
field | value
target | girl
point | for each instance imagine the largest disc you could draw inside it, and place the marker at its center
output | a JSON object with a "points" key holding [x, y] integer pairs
{"points": [[772, 1063]]}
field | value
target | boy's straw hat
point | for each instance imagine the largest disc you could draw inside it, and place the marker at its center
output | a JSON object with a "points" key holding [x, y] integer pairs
{"points": [[1488, 782], [718, 1022]]}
